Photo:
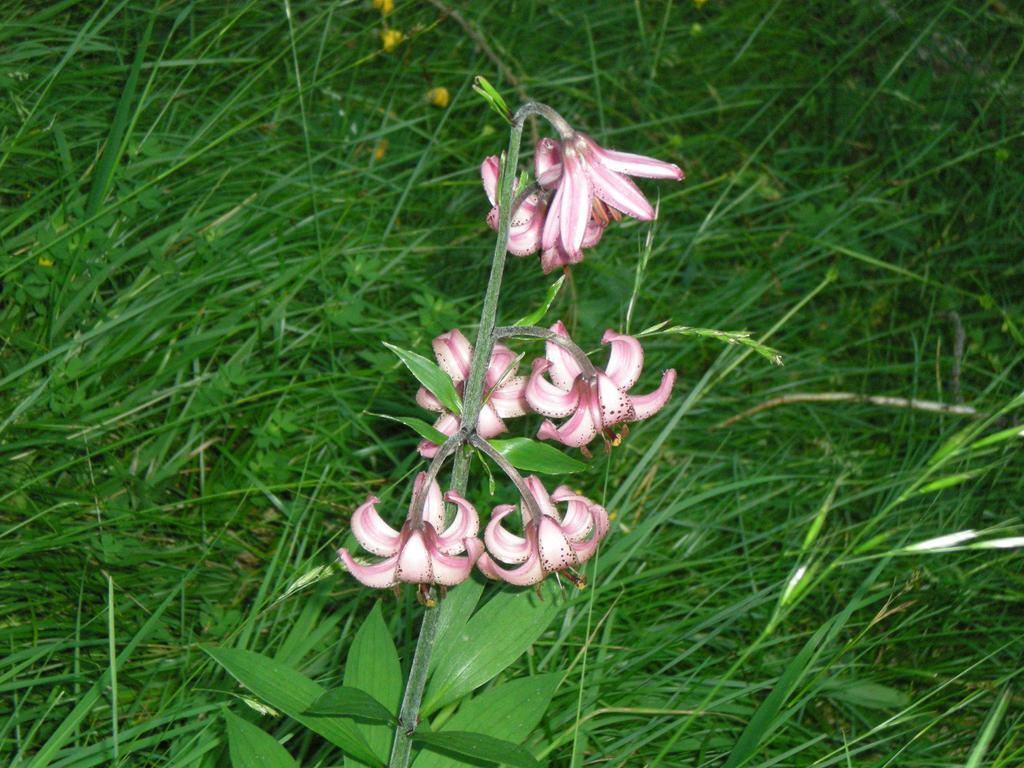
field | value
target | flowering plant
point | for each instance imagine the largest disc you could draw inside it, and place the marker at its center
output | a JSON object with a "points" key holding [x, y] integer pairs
{"points": [[480, 391]]}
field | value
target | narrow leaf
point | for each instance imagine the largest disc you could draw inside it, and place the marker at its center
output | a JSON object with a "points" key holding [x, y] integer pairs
{"points": [[455, 610], [291, 692], [494, 100], [496, 635], [421, 427], [535, 456], [430, 376], [510, 711], [537, 315], [350, 702], [478, 747], [372, 667], [249, 746], [988, 731]]}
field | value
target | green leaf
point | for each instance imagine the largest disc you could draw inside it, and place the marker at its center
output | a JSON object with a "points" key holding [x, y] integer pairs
{"points": [[350, 702], [478, 747], [946, 482], [535, 456], [372, 667], [455, 610], [291, 692], [430, 376], [510, 711], [421, 427], [496, 635], [742, 338], [538, 314], [251, 747], [494, 100], [866, 694]]}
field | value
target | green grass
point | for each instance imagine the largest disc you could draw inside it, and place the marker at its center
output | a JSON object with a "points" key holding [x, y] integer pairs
{"points": [[212, 216]]}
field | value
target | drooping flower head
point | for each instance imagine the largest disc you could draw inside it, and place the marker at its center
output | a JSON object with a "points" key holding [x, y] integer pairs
{"points": [[580, 188], [551, 543], [593, 399], [504, 391], [528, 220], [419, 553]]}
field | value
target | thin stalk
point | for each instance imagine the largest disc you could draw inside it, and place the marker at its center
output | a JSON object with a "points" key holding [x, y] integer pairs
{"points": [[529, 501], [472, 401], [536, 332]]}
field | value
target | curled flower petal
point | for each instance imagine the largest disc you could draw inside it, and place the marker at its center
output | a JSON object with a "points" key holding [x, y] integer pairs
{"points": [[548, 399], [490, 169], [625, 360], [547, 162], [504, 545], [379, 576], [466, 524], [646, 406], [489, 423], [453, 353], [447, 424], [594, 401], [528, 574], [509, 399], [417, 554], [564, 368], [425, 399], [549, 544], [581, 428], [371, 532], [433, 506], [449, 571]]}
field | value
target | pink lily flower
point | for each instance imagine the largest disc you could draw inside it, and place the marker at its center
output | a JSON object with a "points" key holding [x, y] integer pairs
{"points": [[551, 543], [592, 183], [527, 222], [506, 398], [419, 553], [593, 400]]}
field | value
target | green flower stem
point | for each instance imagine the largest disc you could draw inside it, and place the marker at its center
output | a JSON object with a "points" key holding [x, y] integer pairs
{"points": [[472, 401], [529, 501], [537, 332]]}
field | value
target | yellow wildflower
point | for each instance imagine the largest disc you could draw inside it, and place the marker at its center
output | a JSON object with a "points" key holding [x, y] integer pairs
{"points": [[389, 39], [384, 6], [380, 149], [45, 261], [438, 96], [698, 4]]}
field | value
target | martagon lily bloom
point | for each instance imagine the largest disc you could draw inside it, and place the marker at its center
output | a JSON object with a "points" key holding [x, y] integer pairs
{"points": [[506, 390], [594, 399], [419, 553], [527, 221], [591, 184], [551, 543]]}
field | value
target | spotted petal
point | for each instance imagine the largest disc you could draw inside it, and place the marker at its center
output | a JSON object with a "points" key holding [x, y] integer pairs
{"points": [[645, 406], [506, 546], [379, 576], [546, 398], [453, 353], [625, 360], [372, 532], [466, 524], [433, 507]]}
